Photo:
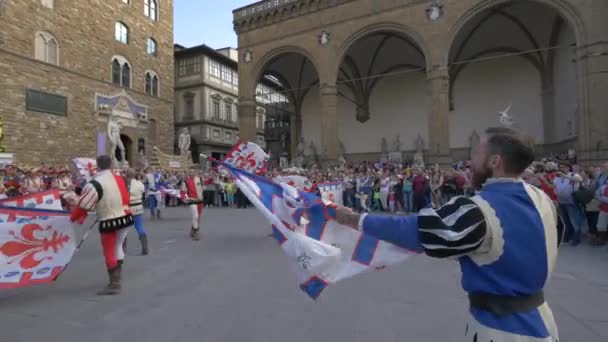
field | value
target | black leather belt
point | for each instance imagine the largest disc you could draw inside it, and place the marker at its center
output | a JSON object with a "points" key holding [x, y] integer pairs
{"points": [[506, 305]]}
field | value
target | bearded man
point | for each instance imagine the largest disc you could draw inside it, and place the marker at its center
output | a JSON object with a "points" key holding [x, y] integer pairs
{"points": [[505, 239]]}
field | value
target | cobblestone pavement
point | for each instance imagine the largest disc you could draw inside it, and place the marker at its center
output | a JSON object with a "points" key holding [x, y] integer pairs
{"points": [[234, 285]]}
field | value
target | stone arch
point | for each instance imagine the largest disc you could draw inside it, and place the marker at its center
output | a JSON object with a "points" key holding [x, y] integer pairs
{"points": [[381, 69], [567, 11], [292, 72], [384, 27], [272, 55], [129, 146], [530, 41]]}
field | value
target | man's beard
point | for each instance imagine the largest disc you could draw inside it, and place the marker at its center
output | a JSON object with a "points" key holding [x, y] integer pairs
{"points": [[480, 176]]}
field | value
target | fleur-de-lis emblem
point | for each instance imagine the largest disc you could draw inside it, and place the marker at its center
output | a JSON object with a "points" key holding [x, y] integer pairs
{"points": [[246, 161], [24, 249], [304, 261], [92, 169]]}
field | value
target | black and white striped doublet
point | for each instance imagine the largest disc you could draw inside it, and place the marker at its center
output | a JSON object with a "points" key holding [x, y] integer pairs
{"points": [[454, 230]]}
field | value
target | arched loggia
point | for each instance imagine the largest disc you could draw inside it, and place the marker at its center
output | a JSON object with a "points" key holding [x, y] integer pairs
{"points": [[518, 54], [283, 83], [382, 78]]}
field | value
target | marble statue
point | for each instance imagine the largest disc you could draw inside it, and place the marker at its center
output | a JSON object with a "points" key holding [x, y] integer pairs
{"points": [[314, 154], [419, 155], [142, 160], [114, 127], [474, 139], [184, 142], [342, 155], [298, 161], [397, 144], [384, 147]]}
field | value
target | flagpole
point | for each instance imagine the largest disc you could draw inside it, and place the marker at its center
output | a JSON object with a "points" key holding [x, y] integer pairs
{"points": [[80, 243]]}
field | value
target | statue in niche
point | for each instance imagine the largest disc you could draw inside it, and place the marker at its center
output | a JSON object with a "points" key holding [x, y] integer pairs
{"points": [[397, 144], [474, 139], [142, 161], [300, 156], [184, 142], [419, 155], [384, 146], [114, 128], [342, 156], [314, 154]]}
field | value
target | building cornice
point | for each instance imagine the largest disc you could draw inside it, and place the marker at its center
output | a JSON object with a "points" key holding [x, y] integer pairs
{"points": [[265, 12]]}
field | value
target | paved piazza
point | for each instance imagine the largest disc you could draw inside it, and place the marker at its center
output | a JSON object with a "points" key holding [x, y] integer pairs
{"points": [[234, 285]]}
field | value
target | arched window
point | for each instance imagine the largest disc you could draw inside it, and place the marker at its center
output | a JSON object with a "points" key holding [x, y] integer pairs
{"points": [[151, 9], [151, 83], [46, 48], [121, 32], [116, 72], [126, 75], [121, 71], [151, 47], [154, 85]]}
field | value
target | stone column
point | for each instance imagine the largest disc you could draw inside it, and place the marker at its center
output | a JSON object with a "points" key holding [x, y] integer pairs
{"points": [[329, 123], [592, 79], [439, 132], [247, 120]]}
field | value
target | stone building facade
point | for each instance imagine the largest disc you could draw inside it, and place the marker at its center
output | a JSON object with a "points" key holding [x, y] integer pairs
{"points": [[68, 66], [206, 100], [360, 72]]}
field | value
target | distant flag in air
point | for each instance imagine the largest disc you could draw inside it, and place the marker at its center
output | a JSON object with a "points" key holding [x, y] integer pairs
{"points": [[249, 157]]}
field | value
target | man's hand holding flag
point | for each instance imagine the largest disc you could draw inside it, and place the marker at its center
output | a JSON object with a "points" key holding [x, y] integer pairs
{"points": [[320, 249]]}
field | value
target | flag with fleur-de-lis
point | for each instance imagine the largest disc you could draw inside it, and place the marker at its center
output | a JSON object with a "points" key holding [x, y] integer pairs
{"points": [[321, 250], [35, 248]]}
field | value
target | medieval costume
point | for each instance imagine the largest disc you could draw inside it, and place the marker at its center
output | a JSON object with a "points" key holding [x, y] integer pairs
{"points": [[137, 192], [193, 195], [506, 240], [107, 194], [63, 183], [34, 183], [12, 182], [154, 181]]}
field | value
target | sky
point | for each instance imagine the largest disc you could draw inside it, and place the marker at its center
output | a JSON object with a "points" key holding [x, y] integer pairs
{"points": [[206, 22]]}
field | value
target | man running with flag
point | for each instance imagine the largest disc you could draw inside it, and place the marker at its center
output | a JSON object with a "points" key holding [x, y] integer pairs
{"points": [[107, 194]]}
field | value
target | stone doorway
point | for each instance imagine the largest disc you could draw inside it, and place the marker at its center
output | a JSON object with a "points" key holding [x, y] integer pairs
{"points": [[128, 144]]}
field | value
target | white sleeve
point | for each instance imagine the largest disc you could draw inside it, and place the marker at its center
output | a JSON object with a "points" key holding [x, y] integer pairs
{"points": [[89, 197]]}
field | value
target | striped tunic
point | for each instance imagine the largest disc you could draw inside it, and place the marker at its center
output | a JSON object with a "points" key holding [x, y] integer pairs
{"points": [[505, 239]]}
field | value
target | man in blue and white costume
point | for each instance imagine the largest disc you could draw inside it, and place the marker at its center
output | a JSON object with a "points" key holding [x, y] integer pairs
{"points": [[154, 182], [505, 238]]}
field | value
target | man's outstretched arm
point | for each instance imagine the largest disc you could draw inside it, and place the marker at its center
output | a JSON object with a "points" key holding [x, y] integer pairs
{"points": [[454, 230]]}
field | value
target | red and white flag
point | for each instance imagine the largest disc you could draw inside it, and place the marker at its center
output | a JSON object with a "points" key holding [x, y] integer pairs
{"points": [[49, 200], [35, 249], [249, 157]]}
